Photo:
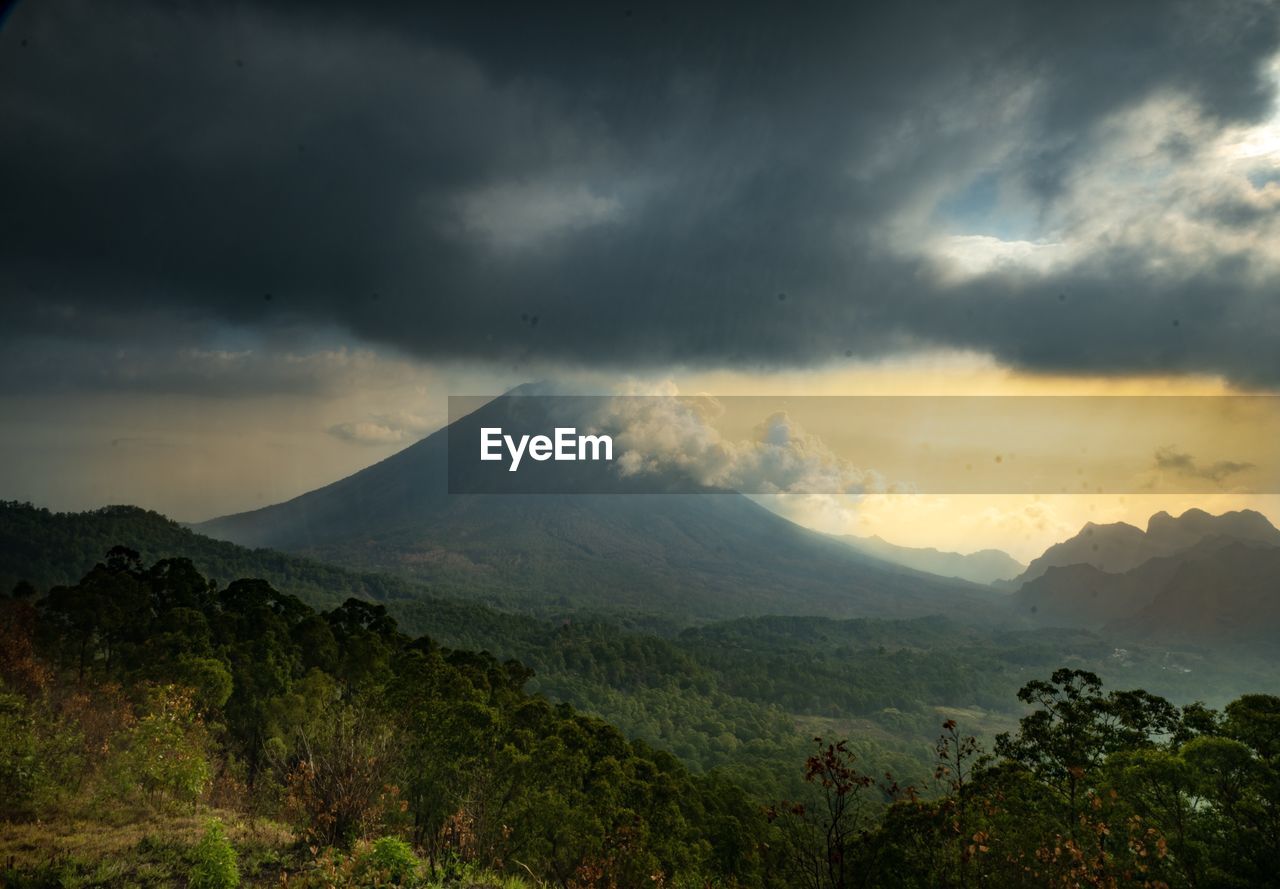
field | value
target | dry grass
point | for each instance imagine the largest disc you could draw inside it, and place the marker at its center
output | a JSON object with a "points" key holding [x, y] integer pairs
{"points": [[151, 851], [154, 851]]}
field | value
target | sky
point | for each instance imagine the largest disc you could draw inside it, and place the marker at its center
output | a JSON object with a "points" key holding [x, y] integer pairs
{"points": [[249, 248]]}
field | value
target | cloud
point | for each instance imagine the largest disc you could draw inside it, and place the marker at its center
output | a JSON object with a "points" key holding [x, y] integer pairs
{"points": [[384, 429], [135, 362], [513, 216], [968, 256], [368, 433], [669, 433], [1172, 460], [648, 186]]}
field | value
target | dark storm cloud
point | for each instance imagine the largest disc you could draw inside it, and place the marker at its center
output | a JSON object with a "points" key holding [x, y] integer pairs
{"points": [[604, 185]]}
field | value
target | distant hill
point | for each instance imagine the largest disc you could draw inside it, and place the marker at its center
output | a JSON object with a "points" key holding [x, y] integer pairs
{"points": [[697, 556], [1119, 547], [1224, 587], [1084, 596], [58, 548], [670, 691], [984, 566], [51, 548], [1232, 596]]}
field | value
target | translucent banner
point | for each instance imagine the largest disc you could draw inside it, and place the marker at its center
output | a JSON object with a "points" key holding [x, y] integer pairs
{"points": [[864, 444]]}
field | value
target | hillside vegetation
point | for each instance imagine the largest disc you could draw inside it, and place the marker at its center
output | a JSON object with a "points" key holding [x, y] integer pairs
{"points": [[46, 548], [741, 696], [339, 751]]}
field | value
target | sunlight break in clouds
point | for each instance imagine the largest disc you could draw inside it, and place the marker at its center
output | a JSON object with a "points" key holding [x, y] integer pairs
{"points": [[1162, 182]]}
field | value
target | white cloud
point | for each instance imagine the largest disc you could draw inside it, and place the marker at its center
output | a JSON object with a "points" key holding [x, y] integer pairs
{"points": [[1260, 141], [398, 427], [1162, 181], [676, 433], [966, 256], [368, 432]]}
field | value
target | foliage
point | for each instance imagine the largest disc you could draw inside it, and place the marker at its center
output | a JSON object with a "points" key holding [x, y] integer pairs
{"points": [[394, 758], [350, 728], [19, 761], [390, 861], [216, 864], [162, 756], [825, 839], [1101, 788], [726, 696], [336, 774]]}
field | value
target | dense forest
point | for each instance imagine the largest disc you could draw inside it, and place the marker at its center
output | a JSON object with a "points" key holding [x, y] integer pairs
{"points": [[159, 727], [152, 690], [742, 696]]}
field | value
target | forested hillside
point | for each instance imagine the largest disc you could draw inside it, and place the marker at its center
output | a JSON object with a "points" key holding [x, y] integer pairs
{"points": [[161, 728], [743, 696], [47, 548], [155, 688]]}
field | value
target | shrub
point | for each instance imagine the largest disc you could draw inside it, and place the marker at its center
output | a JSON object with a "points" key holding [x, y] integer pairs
{"points": [[337, 790], [163, 755], [215, 864], [18, 759], [390, 860]]}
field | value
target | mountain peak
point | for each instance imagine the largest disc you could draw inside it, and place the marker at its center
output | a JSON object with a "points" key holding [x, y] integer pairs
{"points": [[1117, 527], [1118, 546], [1195, 524], [626, 545], [1192, 516]]}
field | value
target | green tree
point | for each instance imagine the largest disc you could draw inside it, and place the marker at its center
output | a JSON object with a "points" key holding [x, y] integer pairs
{"points": [[1075, 726]]}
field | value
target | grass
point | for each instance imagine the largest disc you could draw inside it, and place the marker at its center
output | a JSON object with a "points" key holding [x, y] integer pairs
{"points": [[156, 851], [153, 851]]}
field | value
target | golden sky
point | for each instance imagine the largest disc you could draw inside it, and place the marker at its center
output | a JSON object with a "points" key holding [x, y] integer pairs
{"points": [[1023, 524], [193, 458]]}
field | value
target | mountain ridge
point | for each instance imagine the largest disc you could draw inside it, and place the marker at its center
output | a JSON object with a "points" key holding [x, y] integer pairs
{"points": [[1119, 546], [983, 566], [1211, 580]]}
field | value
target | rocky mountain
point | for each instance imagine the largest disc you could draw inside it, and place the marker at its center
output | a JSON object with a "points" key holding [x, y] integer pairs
{"points": [[1120, 547], [1229, 597], [1207, 589]]}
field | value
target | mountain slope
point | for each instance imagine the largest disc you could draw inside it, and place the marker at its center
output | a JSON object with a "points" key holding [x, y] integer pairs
{"points": [[1231, 596], [1120, 547], [1211, 590], [696, 556], [1085, 596], [984, 566]]}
